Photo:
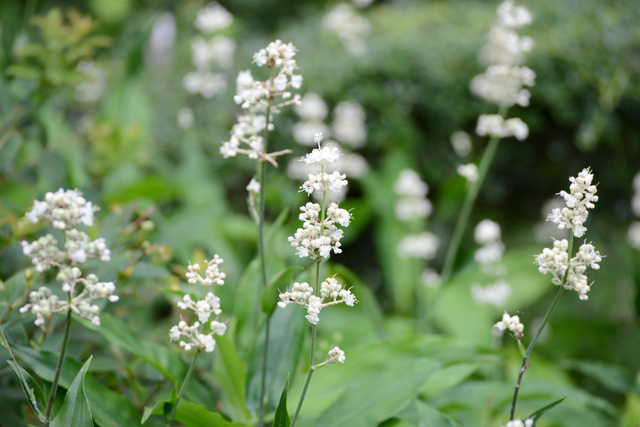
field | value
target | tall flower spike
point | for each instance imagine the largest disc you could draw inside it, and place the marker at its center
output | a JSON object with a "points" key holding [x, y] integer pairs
{"points": [[581, 197]]}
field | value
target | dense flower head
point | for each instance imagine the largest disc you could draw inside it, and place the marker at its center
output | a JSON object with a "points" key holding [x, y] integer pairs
{"points": [[316, 238], [302, 294], [511, 323], [203, 308], [64, 208], [581, 197]]}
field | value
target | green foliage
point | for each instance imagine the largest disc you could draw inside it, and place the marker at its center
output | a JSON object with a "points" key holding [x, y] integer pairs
{"points": [[281, 417], [75, 409]]}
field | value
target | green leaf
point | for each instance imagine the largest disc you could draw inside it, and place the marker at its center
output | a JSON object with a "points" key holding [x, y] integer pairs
{"points": [[31, 389], [378, 395], [609, 376], [429, 416], [270, 294], [245, 309], [229, 371], [281, 418], [23, 71], [13, 288], [536, 415], [75, 409], [276, 226], [168, 405], [191, 415]]}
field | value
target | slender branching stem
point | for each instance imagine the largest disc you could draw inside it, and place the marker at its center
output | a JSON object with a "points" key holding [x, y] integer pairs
{"points": [[525, 358], [463, 220], [183, 388], [262, 178], [56, 376]]}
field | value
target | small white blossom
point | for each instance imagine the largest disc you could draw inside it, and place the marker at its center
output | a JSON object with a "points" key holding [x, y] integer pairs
{"points": [[487, 231], [348, 125], [518, 423], [511, 323], [582, 196], [468, 172], [302, 294], [254, 186]]}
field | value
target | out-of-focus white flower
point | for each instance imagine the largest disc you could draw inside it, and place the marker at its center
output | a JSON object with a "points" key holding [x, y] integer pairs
{"points": [[495, 294], [468, 172], [413, 203], [185, 118], [518, 423], [461, 143], [303, 132], [495, 125], [351, 28], [486, 231], [254, 186], [348, 124], [431, 278], [633, 235], [161, 40], [424, 245], [313, 108], [212, 17], [93, 86], [410, 184]]}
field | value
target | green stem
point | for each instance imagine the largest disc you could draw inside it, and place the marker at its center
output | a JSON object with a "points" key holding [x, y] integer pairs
{"points": [[463, 219], [311, 356], [183, 388], [261, 251], [525, 359], [56, 377]]}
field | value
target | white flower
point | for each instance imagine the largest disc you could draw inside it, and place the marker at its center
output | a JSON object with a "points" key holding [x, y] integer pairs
{"points": [[495, 125], [254, 186], [348, 124], [424, 245], [312, 109], [511, 323], [302, 294], [582, 197], [350, 27], [461, 143], [212, 17], [495, 294], [487, 231], [469, 172], [633, 235]]}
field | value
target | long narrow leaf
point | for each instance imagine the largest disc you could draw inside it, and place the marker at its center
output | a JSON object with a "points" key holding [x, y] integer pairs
{"points": [[281, 418], [75, 409], [536, 415]]}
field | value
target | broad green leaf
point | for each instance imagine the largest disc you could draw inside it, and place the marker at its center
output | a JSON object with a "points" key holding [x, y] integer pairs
{"points": [[278, 282], [609, 376], [245, 309], [191, 415], [229, 371], [281, 418], [378, 395], [431, 417], [31, 389], [536, 415], [448, 376], [631, 414], [75, 409]]}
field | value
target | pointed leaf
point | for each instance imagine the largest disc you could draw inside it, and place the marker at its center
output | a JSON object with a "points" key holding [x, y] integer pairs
{"points": [[270, 294], [229, 371], [168, 405], [428, 416], [32, 390], [191, 415], [536, 415], [75, 409], [281, 418]]}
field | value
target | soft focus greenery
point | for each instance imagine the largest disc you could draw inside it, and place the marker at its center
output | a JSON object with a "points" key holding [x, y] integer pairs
{"points": [[127, 154]]}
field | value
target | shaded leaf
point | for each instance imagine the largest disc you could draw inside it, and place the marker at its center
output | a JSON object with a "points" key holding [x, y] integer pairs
{"points": [[35, 396], [281, 417], [191, 415], [229, 371], [75, 409], [270, 294]]}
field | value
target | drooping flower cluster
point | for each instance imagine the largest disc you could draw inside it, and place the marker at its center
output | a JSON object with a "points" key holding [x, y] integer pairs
{"points": [[204, 308], [511, 323], [210, 56], [351, 28], [556, 262], [256, 97], [319, 234], [633, 235], [303, 295], [518, 423], [66, 209], [413, 202], [581, 197]]}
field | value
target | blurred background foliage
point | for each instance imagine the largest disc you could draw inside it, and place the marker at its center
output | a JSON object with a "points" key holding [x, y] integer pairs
{"points": [[108, 127]]}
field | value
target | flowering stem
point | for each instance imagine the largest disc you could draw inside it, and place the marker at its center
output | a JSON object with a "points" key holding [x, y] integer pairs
{"points": [[261, 251], [313, 349], [56, 376], [183, 388], [463, 219], [525, 358]]}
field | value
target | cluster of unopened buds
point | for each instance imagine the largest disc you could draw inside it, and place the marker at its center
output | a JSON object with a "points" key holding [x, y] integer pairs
{"points": [[581, 197], [259, 96], [303, 295], [335, 355], [519, 423], [66, 209], [203, 308], [511, 323], [413, 202]]}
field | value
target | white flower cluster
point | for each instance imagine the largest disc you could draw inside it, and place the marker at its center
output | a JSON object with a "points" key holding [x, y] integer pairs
{"points": [[302, 294], [468, 172], [335, 355], [209, 55], [317, 238], [203, 308], [66, 209], [495, 125], [582, 196], [489, 257], [94, 85], [461, 143], [633, 235], [424, 245], [413, 202], [351, 28], [556, 261], [494, 294], [257, 96], [519, 423], [511, 323], [503, 80]]}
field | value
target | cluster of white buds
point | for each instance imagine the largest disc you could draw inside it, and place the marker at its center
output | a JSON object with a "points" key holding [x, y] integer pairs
{"points": [[210, 55], [468, 172], [424, 245], [319, 234], [66, 209], [511, 323], [335, 355], [413, 202], [302, 294], [503, 80], [487, 234], [351, 27], [556, 261], [519, 423], [582, 196], [203, 308], [495, 125], [256, 97]]}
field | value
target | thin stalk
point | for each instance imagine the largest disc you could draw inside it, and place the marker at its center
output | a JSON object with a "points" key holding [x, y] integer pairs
{"points": [[313, 350], [261, 252], [56, 376], [183, 388], [463, 219], [525, 358]]}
